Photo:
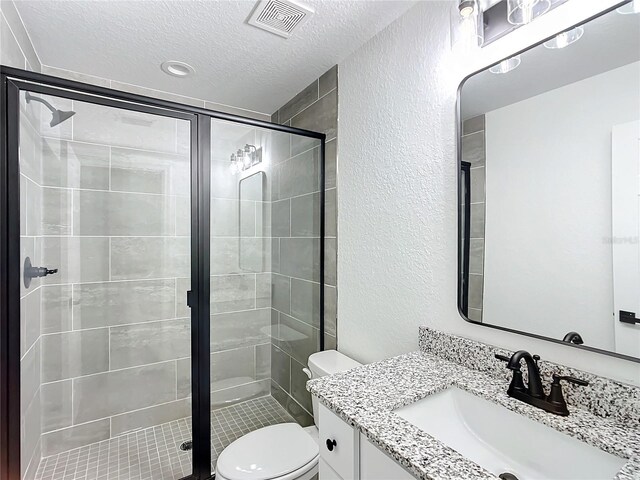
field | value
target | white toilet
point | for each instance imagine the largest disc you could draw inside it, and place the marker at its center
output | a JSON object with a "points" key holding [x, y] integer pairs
{"points": [[285, 451]]}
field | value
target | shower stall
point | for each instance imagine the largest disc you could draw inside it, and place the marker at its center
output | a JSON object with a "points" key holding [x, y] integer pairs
{"points": [[159, 263]]}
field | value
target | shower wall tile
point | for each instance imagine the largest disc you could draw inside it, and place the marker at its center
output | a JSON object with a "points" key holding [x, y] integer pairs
{"points": [[74, 165], [263, 361], [231, 293], [150, 257], [300, 174], [229, 396], [477, 220], [23, 203], [297, 339], [78, 259], [56, 211], [281, 218], [10, 50], [476, 255], [305, 301], [225, 255], [263, 290], [126, 128], [330, 257], [34, 209], [120, 391], [21, 35], [300, 258], [305, 215], [231, 368], [298, 103], [73, 437], [149, 417], [296, 251], [475, 291], [30, 376], [117, 303], [281, 293], [240, 329], [76, 76], [330, 309], [183, 216], [322, 116], [73, 354], [149, 172], [29, 248], [183, 378], [281, 368], [30, 319], [31, 428], [477, 185], [330, 163], [152, 342], [183, 285], [116, 214], [30, 148], [254, 255], [473, 148], [328, 81], [56, 401], [330, 213], [231, 218]]}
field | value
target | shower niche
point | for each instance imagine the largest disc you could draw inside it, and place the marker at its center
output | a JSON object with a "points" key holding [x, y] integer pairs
{"points": [[120, 207]]}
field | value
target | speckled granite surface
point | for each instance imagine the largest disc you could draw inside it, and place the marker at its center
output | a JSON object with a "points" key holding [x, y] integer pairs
{"points": [[603, 397], [365, 397]]}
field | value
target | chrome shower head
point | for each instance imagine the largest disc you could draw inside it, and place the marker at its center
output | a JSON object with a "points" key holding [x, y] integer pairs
{"points": [[57, 116]]}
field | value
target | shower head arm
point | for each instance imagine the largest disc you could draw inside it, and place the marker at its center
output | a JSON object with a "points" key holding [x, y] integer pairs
{"points": [[30, 97]]}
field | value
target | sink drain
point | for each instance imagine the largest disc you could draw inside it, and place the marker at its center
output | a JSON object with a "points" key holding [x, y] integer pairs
{"points": [[507, 476]]}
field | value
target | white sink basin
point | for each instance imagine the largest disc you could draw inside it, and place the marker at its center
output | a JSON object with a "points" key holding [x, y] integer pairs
{"points": [[503, 441]]}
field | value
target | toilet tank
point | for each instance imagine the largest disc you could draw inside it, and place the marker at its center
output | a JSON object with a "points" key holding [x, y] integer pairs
{"points": [[326, 363]]}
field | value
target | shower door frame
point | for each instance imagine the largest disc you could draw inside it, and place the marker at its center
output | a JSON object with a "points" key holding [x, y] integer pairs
{"points": [[12, 81]]}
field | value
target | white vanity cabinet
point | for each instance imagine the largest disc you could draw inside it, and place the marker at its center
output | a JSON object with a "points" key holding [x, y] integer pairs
{"points": [[346, 454]]}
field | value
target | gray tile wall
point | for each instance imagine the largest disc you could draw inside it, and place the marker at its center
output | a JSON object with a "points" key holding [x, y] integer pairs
{"points": [[473, 151], [296, 231], [17, 51], [112, 193]]}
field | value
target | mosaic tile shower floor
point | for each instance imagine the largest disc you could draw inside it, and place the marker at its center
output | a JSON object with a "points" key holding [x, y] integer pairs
{"points": [[154, 453]]}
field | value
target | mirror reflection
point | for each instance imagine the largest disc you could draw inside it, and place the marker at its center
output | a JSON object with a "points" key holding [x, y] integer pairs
{"points": [[550, 189]]}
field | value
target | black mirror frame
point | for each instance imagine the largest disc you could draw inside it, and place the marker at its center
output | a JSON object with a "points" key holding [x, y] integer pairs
{"points": [[459, 133]]}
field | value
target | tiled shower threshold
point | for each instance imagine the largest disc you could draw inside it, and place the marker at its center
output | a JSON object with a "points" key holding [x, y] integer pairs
{"points": [[154, 453]]}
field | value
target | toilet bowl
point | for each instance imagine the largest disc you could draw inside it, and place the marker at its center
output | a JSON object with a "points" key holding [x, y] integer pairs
{"points": [[284, 451]]}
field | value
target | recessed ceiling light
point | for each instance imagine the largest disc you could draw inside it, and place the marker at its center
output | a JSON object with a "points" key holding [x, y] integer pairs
{"points": [[177, 69], [506, 66]]}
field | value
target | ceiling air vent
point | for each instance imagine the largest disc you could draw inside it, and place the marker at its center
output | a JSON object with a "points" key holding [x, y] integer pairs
{"points": [[281, 17]]}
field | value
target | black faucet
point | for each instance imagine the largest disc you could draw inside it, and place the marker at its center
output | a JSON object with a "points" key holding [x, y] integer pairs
{"points": [[533, 393]]}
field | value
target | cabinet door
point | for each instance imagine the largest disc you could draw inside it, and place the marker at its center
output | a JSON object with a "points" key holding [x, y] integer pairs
{"points": [[376, 465], [325, 472], [338, 444]]}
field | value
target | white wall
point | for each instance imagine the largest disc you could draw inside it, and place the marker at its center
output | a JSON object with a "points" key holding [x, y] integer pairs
{"points": [[548, 261], [397, 220]]}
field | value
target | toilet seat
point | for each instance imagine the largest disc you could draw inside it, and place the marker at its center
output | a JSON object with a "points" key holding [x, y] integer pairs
{"points": [[283, 452]]}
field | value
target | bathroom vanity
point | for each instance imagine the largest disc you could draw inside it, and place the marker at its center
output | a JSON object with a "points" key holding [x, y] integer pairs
{"points": [[443, 412]]}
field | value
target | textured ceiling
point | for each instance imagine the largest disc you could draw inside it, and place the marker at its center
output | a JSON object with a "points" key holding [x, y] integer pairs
{"points": [[236, 64]]}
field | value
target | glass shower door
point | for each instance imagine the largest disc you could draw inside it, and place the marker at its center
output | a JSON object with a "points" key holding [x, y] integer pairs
{"points": [[105, 227], [266, 277]]}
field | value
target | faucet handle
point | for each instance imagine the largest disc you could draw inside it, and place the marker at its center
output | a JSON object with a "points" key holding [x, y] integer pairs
{"points": [[504, 358], [576, 381]]}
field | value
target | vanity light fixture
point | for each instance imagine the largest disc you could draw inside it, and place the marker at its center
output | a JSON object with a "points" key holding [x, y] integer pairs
{"points": [[565, 39], [245, 158], [521, 12], [630, 8], [467, 25], [506, 65]]}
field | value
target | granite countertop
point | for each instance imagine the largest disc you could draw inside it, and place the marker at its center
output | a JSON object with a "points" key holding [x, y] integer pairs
{"points": [[365, 397]]}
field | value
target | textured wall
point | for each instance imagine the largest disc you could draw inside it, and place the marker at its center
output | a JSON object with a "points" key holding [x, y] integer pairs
{"points": [[397, 215], [296, 232]]}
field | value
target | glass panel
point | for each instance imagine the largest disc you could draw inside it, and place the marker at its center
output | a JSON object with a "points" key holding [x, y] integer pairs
{"points": [[105, 217], [265, 277]]}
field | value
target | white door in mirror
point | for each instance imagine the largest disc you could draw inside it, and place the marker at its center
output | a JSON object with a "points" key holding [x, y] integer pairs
{"points": [[625, 179]]}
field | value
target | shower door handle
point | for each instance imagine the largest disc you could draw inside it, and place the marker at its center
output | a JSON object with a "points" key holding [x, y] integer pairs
{"points": [[189, 298]]}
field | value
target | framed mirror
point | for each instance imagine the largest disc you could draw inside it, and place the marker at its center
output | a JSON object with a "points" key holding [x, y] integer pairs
{"points": [[549, 188]]}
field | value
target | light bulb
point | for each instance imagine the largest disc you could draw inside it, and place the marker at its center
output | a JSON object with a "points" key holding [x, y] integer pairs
{"points": [[565, 39], [466, 8], [506, 65]]}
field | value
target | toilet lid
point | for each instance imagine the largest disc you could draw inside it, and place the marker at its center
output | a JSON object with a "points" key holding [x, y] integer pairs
{"points": [[267, 453]]}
